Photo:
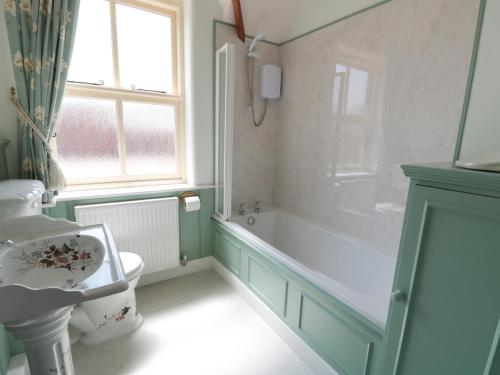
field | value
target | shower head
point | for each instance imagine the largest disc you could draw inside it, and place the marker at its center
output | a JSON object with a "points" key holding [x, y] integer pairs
{"points": [[253, 45]]}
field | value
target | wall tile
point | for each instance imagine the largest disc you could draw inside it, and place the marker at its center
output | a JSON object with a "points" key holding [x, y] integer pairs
{"points": [[402, 66], [253, 160]]}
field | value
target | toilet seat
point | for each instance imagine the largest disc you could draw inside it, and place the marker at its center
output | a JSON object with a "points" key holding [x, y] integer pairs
{"points": [[132, 264]]}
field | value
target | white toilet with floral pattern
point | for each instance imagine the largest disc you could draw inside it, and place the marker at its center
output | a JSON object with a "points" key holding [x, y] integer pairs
{"points": [[106, 318]]}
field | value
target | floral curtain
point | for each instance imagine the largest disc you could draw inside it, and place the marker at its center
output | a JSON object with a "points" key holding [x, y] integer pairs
{"points": [[41, 35]]}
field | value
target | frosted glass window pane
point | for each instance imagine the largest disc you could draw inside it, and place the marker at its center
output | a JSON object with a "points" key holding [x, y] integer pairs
{"points": [[87, 140], [145, 49], [92, 58], [149, 138]]}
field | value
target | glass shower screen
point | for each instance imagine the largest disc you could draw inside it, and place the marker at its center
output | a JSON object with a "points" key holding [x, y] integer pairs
{"points": [[224, 103]]}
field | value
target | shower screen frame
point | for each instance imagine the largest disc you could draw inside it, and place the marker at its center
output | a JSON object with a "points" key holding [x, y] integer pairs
{"points": [[224, 122]]}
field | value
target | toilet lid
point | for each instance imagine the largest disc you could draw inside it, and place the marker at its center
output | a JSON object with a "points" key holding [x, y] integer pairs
{"points": [[132, 263]]}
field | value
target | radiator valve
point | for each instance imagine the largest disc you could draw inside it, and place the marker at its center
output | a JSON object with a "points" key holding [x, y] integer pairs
{"points": [[184, 260]]}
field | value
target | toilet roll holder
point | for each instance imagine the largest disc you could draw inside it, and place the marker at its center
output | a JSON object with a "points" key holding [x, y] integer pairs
{"points": [[187, 194]]}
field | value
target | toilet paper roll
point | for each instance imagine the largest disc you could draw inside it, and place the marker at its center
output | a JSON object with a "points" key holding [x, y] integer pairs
{"points": [[191, 204]]}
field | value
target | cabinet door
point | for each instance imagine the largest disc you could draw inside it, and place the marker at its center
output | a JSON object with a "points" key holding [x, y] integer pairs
{"points": [[445, 313]]}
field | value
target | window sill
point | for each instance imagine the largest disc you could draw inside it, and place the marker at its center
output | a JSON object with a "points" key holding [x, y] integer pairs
{"points": [[126, 191]]}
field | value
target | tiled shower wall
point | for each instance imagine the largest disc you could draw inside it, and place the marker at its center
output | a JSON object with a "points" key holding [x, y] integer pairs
{"points": [[390, 91], [253, 159], [359, 98]]}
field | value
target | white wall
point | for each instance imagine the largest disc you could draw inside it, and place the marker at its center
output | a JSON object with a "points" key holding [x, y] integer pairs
{"points": [[198, 26], [8, 123]]}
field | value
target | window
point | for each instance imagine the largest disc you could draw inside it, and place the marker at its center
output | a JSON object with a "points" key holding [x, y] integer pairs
{"points": [[121, 116]]}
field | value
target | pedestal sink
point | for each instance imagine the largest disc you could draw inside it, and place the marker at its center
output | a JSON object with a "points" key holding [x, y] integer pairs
{"points": [[46, 267]]}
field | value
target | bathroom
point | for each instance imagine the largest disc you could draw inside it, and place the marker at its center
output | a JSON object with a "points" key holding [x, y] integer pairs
{"points": [[249, 187]]}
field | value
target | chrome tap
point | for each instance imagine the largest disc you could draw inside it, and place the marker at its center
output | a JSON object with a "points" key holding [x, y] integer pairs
{"points": [[257, 207], [242, 210]]}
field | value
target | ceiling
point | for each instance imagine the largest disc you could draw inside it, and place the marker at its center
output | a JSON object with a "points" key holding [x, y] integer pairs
{"points": [[282, 20]]}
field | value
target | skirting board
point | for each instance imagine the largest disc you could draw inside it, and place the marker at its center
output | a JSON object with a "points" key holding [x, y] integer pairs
{"points": [[303, 351], [192, 266]]}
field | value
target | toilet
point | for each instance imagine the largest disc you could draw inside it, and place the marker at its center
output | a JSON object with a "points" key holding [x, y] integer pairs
{"points": [[107, 318], [20, 198], [95, 321]]}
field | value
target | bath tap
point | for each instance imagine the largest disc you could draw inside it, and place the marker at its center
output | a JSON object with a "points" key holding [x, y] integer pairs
{"points": [[257, 207], [242, 210]]}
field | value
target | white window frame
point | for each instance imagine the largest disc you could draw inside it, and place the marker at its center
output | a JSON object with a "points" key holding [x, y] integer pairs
{"points": [[173, 10]]}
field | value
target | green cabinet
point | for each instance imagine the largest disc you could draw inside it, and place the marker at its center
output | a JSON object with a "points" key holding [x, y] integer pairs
{"points": [[445, 313]]}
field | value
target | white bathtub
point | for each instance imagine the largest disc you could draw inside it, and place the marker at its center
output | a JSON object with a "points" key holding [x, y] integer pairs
{"points": [[356, 275]]}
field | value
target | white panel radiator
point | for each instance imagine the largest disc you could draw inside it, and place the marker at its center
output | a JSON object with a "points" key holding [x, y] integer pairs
{"points": [[149, 228]]}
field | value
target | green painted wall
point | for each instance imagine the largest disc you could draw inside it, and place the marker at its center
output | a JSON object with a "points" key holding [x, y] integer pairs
{"points": [[195, 227], [4, 351]]}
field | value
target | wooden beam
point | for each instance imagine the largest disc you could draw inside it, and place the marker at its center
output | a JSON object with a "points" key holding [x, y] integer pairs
{"points": [[240, 26]]}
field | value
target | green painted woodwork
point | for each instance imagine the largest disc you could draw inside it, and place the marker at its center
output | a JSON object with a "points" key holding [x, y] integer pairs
{"points": [[446, 176], [4, 171], [337, 21], [196, 233], [16, 347], [228, 252], [4, 351], [348, 342], [269, 286], [448, 267], [470, 80], [338, 341], [8, 348]]}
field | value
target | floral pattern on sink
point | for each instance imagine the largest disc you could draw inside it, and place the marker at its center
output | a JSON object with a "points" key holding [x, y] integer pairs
{"points": [[71, 256], [71, 284]]}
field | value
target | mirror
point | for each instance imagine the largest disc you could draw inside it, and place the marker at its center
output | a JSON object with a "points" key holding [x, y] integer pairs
{"points": [[480, 144]]}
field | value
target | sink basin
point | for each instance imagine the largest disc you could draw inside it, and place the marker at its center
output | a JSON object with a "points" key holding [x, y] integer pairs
{"points": [[47, 266], [63, 262], [55, 263]]}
